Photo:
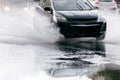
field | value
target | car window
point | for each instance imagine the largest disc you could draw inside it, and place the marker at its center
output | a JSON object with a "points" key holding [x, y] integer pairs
{"points": [[105, 0], [71, 5]]}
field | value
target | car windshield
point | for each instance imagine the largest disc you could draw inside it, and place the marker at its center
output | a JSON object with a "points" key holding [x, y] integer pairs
{"points": [[71, 5], [105, 0]]}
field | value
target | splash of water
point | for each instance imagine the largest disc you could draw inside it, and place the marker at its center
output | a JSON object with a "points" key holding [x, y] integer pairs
{"points": [[24, 25]]}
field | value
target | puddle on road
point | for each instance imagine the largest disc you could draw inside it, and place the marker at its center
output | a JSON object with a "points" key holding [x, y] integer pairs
{"points": [[81, 58]]}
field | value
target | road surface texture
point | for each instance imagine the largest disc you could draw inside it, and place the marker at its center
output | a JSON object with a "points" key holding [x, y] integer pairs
{"points": [[32, 49]]}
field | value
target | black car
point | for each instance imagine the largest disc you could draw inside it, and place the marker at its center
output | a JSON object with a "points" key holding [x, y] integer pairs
{"points": [[75, 18]]}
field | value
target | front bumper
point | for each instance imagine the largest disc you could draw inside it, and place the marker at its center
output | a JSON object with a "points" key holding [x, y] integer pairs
{"points": [[82, 29]]}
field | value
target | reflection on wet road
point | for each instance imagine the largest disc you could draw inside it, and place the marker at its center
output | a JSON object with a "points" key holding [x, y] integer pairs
{"points": [[65, 59], [83, 58], [76, 57]]}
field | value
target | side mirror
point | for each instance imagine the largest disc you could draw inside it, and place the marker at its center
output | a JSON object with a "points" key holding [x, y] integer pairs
{"points": [[47, 9]]}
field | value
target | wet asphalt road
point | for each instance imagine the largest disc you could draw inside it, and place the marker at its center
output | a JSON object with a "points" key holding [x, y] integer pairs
{"points": [[67, 58], [23, 55], [80, 57]]}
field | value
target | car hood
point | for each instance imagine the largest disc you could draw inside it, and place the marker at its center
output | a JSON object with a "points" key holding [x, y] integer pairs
{"points": [[93, 14]]}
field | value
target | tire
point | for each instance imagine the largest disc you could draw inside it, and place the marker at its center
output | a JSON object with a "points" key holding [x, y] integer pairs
{"points": [[100, 37]]}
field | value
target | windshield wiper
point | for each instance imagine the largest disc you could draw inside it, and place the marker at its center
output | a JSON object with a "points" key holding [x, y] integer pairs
{"points": [[80, 8]]}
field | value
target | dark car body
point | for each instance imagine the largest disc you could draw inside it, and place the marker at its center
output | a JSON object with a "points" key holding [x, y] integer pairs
{"points": [[75, 18]]}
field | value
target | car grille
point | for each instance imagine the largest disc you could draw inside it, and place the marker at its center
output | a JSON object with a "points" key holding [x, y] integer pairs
{"points": [[88, 28], [86, 25], [88, 20], [85, 29]]}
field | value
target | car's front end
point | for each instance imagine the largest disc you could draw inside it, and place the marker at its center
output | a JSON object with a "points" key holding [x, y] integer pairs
{"points": [[80, 22], [85, 25]]}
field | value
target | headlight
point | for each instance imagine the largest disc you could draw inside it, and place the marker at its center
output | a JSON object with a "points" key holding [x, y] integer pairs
{"points": [[26, 8], [60, 18], [101, 18], [7, 9]]}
